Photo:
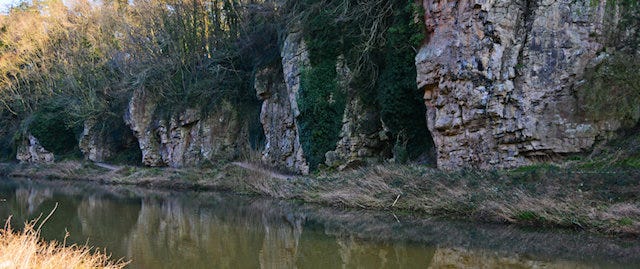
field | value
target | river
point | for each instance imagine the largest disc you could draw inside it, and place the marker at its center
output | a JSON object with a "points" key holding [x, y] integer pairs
{"points": [[167, 229]]}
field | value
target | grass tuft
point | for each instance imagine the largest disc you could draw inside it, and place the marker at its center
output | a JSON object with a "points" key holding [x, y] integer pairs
{"points": [[25, 249]]}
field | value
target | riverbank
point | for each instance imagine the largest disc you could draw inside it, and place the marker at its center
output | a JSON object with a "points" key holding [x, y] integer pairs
{"points": [[603, 201]]}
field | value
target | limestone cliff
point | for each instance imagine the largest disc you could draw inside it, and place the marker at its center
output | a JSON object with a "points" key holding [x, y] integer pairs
{"points": [[278, 88], [187, 138], [93, 144], [30, 151], [362, 138], [500, 79]]}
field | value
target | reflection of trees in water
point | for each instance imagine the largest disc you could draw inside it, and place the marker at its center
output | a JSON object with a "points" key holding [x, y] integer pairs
{"points": [[107, 221], [205, 230], [20, 203], [171, 234], [230, 236], [363, 254], [281, 237]]}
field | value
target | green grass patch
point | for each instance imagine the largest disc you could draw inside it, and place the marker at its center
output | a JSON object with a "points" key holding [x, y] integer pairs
{"points": [[528, 216], [625, 221]]}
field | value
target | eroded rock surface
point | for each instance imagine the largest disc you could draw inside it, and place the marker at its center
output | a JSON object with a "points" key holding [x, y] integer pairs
{"points": [[278, 88], [363, 138], [31, 151], [499, 79], [93, 144], [282, 147], [187, 138]]}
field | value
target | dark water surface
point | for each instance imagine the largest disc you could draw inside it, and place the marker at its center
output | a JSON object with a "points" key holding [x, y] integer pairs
{"points": [[163, 229]]}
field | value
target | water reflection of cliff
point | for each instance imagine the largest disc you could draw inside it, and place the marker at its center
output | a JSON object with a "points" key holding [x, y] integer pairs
{"points": [[207, 230]]}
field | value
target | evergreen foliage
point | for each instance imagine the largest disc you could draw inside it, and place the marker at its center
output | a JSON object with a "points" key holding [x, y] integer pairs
{"points": [[378, 40], [612, 88], [50, 125], [401, 105], [321, 100], [321, 104]]}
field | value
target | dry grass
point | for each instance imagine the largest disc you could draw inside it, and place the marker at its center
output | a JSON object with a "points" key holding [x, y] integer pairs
{"points": [[599, 201], [25, 249]]}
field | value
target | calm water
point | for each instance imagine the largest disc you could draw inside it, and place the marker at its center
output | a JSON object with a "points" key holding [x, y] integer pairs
{"points": [[158, 229]]}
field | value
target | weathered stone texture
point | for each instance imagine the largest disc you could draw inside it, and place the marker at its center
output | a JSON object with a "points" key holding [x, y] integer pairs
{"points": [[187, 138], [363, 138], [93, 144], [282, 143], [278, 88], [499, 79], [30, 151]]}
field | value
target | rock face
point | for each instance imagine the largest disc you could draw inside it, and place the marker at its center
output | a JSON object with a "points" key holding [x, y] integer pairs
{"points": [[282, 143], [363, 139], [30, 151], [93, 145], [499, 79], [187, 138], [280, 107]]}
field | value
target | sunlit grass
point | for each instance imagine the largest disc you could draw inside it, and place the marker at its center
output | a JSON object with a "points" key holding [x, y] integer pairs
{"points": [[26, 249]]}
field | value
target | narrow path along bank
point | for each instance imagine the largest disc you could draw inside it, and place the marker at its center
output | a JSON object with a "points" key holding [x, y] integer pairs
{"points": [[604, 202]]}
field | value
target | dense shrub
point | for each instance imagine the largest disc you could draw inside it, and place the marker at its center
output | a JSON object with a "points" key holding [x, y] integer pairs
{"points": [[377, 40], [53, 127], [401, 105], [321, 103], [321, 99]]}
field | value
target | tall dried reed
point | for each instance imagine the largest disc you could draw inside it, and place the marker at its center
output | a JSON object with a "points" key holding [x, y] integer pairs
{"points": [[26, 249]]}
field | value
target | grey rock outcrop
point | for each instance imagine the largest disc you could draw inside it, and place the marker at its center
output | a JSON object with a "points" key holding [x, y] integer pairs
{"points": [[280, 107], [282, 142], [499, 79], [93, 145], [363, 138], [187, 138], [30, 151]]}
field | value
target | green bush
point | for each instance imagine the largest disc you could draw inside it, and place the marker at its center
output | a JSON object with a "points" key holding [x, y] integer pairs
{"points": [[401, 105], [379, 50], [52, 126], [321, 100], [321, 104], [7, 133]]}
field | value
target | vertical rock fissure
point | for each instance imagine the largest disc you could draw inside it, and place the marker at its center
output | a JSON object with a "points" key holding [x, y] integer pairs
{"points": [[525, 25]]}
